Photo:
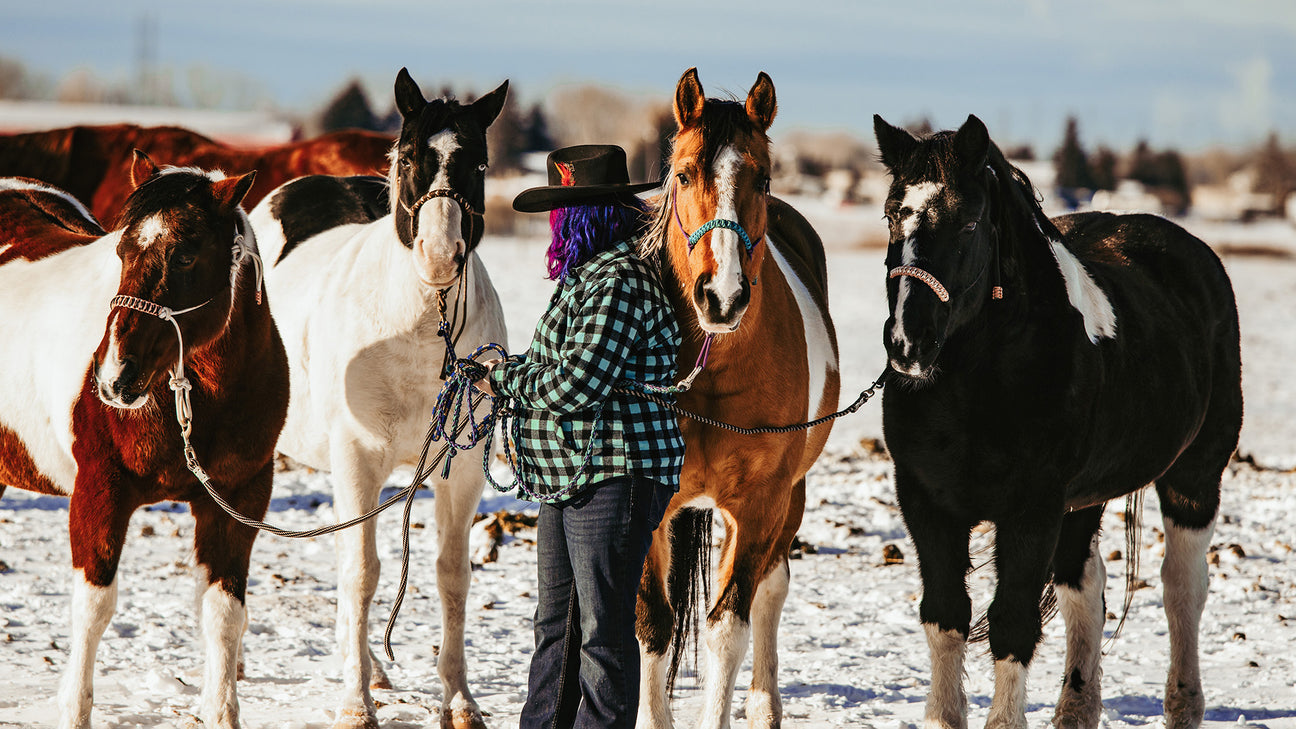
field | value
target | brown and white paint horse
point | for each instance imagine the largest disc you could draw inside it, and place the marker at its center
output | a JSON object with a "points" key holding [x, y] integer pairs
{"points": [[773, 361], [93, 162], [85, 404]]}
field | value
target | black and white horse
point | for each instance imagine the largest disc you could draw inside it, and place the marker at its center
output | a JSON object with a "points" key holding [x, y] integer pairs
{"points": [[1040, 369], [356, 302]]}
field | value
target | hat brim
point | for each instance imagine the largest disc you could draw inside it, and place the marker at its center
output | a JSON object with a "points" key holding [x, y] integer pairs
{"points": [[542, 199]]}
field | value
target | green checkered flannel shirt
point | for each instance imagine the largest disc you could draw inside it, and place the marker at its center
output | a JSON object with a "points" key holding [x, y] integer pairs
{"points": [[609, 321]]}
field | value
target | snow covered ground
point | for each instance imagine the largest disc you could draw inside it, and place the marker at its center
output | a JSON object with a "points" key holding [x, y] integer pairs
{"points": [[853, 653]]}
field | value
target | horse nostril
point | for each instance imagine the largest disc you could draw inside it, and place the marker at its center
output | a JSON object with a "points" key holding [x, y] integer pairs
{"points": [[129, 372]]}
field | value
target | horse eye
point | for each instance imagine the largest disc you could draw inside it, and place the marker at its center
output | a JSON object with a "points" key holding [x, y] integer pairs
{"points": [[683, 178], [185, 259], [405, 162], [481, 167], [970, 227]]}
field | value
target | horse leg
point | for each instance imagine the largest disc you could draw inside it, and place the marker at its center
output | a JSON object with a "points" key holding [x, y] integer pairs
{"points": [[654, 627], [1024, 546], [941, 542], [222, 551], [357, 480], [97, 530], [764, 707], [456, 503], [745, 560], [1080, 576]]}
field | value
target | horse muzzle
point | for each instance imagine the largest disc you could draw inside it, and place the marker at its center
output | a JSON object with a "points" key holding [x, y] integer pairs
{"points": [[717, 313], [119, 385]]}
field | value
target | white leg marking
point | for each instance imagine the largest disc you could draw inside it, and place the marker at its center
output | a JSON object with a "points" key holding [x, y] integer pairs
{"points": [[1008, 708], [1080, 704], [946, 701], [1185, 578], [355, 491], [726, 646], [654, 701], [726, 246], [223, 618], [820, 354], [764, 708], [456, 503], [1085, 295], [92, 609]]}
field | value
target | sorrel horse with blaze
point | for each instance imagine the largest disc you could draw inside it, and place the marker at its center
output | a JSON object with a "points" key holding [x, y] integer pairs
{"points": [[757, 281], [357, 301], [1040, 369], [93, 162], [86, 409]]}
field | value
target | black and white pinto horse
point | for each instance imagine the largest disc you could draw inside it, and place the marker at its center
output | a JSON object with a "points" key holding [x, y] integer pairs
{"points": [[1036, 376], [356, 303]]}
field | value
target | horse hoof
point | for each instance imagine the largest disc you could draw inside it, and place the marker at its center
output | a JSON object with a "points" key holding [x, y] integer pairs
{"points": [[466, 718], [356, 720], [240, 673], [380, 681]]}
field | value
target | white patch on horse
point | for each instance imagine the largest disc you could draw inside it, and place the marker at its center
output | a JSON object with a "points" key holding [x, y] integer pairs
{"points": [[1085, 295], [820, 357], [1084, 613], [946, 700], [445, 144], [223, 620], [726, 247], [150, 229], [913, 208], [439, 241], [764, 708], [1008, 708], [37, 394], [726, 646], [14, 183], [1185, 577], [92, 610], [654, 699]]}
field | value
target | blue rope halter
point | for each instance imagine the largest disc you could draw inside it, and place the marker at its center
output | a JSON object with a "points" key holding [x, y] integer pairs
{"points": [[712, 224]]}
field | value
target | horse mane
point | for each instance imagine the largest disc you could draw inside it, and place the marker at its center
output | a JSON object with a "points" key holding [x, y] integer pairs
{"points": [[722, 121], [154, 195]]}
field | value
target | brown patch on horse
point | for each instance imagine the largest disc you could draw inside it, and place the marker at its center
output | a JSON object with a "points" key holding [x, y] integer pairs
{"points": [[18, 469], [37, 223]]}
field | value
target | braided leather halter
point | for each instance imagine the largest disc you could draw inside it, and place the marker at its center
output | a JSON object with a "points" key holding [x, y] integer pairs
{"points": [[446, 193]]}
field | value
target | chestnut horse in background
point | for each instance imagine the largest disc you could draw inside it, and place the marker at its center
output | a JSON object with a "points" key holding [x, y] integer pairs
{"points": [[86, 401], [93, 162], [758, 283]]}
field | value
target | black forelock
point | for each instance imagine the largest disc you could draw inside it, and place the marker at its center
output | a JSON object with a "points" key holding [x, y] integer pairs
{"points": [[445, 113], [723, 120], [168, 191]]}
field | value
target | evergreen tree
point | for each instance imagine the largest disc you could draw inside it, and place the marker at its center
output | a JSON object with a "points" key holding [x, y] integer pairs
{"points": [[1102, 169], [1070, 160], [1275, 173], [536, 129], [506, 139], [349, 110]]}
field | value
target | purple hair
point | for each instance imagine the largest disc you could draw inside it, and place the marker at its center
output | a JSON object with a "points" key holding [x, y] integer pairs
{"points": [[582, 231]]}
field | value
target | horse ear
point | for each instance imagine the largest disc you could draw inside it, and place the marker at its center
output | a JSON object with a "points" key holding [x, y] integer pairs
{"points": [[761, 105], [409, 99], [141, 169], [230, 191], [972, 143], [689, 99], [488, 107], [894, 144]]}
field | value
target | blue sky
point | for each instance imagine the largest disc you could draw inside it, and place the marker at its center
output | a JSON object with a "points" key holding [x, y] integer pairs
{"points": [[1189, 73]]}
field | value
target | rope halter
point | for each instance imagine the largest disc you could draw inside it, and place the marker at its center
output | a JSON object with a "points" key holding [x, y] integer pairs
{"points": [[446, 193], [996, 292], [712, 224]]}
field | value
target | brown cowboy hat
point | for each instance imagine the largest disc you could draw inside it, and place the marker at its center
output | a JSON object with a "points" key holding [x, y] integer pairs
{"points": [[580, 175]]}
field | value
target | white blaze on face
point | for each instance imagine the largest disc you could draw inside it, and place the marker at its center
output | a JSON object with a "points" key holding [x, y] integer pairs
{"points": [[110, 369], [913, 210], [150, 230], [439, 238], [726, 247]]}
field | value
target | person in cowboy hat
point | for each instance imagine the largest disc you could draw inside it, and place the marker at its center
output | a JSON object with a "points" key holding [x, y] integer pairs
{"points": [[603, 464]]}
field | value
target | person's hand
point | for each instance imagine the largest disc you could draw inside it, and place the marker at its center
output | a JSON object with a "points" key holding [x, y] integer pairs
{"points": [[484, 383]]}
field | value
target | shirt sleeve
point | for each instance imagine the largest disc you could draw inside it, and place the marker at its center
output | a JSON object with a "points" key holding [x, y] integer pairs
{"points": [[591, 361]]}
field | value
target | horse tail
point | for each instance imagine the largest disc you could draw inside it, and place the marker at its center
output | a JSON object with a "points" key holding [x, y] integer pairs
{"points": [[1133, 537], [689, 583]]}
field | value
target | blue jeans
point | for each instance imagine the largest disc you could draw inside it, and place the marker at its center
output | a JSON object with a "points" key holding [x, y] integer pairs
{"points": [[590, 557]]}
